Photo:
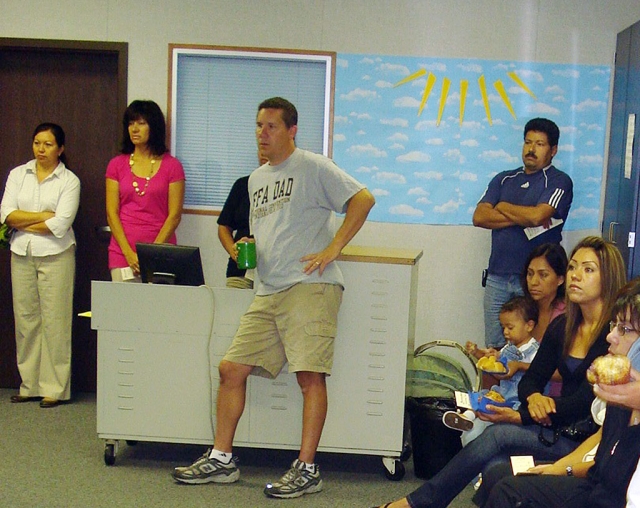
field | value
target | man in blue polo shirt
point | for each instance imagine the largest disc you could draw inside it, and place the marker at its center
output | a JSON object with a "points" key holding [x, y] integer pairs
{"points": [[523, 208]]}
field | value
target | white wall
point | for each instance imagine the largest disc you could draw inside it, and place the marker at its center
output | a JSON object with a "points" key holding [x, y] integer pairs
{"points": [[562, 31]]}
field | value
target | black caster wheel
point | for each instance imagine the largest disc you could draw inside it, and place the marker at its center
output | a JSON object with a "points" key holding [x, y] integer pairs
{"points": [[394, 470], [109, 454], [406, 452]]}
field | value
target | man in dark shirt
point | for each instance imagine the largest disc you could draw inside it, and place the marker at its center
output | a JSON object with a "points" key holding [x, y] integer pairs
{"points": [[523, 208], [235, 217]]}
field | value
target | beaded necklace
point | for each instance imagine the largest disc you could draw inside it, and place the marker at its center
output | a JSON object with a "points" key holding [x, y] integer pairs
{"points": [[136, 187]]}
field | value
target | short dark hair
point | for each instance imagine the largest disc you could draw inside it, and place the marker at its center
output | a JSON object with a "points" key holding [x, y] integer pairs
{"points": [[544, 125], [151, 113], [57, 132], [556, 256], [628, 300], [526, 307], [289, 111]]}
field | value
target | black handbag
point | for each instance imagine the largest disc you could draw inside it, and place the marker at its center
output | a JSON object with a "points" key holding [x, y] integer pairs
{"points": [[576, 431]]}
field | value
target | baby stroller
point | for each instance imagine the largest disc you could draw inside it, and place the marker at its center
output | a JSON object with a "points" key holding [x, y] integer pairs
{"points": [[432, 379]]}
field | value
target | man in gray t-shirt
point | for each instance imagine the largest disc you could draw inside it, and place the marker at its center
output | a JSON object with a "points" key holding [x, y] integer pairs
{"points": [[293, 318]]}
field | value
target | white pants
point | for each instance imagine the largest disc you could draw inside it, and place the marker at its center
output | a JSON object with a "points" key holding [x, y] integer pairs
{"points": [[43, 310]]}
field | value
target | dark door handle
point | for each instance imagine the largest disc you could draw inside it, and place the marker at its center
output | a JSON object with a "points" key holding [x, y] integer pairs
{"points": [[612, 227]]}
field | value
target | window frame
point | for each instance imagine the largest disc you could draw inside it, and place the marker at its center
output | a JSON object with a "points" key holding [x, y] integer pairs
{"points": [[176, 51]]}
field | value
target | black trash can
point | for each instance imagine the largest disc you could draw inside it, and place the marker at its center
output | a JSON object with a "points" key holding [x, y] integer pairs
{"points": [[433, 443]]}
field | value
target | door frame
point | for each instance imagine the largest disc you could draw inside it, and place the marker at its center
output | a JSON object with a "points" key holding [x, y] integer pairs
{"points": [[119, 48], [119, 52]]}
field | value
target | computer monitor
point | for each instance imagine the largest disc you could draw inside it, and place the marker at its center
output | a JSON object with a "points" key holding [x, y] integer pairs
{"points": [[164, 263]]}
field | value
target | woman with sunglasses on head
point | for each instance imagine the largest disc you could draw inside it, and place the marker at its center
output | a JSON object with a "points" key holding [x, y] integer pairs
{"points": [[594, 275], [145, 190], [602, 482]]}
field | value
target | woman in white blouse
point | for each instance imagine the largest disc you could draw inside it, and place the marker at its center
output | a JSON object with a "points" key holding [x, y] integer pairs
{"points": [[40, 202]]}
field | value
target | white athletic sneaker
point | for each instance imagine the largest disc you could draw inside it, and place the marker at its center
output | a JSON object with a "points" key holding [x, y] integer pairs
{"points": [[456, 421], [296, 482], [206, 470]]}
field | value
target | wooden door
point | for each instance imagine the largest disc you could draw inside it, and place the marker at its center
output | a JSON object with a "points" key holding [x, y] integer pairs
{"points": [[81, 86]]}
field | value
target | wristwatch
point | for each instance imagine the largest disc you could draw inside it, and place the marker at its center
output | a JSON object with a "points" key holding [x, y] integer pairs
{"points": [[569, 471]]}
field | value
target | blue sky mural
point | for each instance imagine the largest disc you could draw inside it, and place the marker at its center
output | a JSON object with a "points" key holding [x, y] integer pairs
{"points": [[427, 134]]}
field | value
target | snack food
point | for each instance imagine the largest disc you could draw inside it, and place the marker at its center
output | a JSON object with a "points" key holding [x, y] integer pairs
{"points": [[494, 396], [491, 364], [609, 370]]}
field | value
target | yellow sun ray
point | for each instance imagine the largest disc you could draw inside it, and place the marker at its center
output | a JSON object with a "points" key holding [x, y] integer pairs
{"points": [[521, 84], [464, 85], [464, 88], [411, 77], [443, 99], [503, 94], [485, 97], [431, 80]]}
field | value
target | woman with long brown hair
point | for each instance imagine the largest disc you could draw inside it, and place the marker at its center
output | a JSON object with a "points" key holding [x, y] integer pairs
{"points": [[540, 426]]}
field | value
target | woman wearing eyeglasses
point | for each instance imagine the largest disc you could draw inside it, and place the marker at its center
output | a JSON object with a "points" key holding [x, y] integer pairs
{"points": [[594, 275], [627, 395], [602, 482]]}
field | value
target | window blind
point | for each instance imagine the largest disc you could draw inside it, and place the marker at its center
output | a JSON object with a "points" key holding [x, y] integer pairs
{"points": [[216, 94]]}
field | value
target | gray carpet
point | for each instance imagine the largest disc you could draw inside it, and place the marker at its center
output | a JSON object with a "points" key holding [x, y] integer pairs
{"points": [[52, 458]]}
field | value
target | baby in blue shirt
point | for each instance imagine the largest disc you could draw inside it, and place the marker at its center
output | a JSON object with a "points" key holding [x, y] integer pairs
{"points": [[518, 318]]}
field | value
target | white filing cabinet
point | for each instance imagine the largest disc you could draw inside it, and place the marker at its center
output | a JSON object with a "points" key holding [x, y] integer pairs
{"points": [[159, 346]]}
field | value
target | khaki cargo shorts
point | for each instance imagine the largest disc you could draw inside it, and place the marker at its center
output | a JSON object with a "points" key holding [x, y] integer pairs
{"points": [[297, 325]]}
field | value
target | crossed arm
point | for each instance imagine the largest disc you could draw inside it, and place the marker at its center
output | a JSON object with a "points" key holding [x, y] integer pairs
{"points": [[31, 222], [505, 214]]}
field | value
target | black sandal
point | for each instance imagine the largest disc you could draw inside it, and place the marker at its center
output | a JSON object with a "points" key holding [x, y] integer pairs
{"points": [[18, 399]]}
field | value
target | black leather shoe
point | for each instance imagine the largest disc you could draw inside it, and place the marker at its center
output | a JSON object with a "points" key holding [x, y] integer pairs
{"points": [[17, 399], [46, 403]]}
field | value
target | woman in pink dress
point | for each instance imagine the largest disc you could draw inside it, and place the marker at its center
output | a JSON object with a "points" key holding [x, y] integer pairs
{"points": [[145, 190]]}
